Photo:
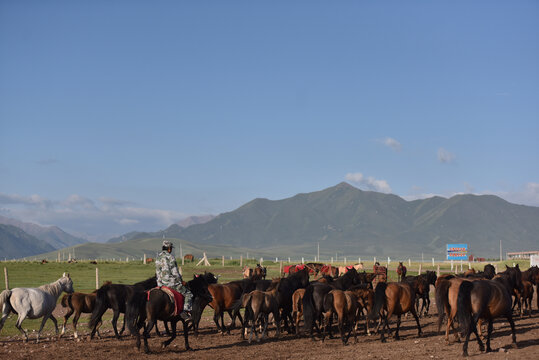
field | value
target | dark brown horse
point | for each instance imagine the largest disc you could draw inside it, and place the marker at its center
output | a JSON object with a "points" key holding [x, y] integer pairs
{"points": [[393, 298], [297, 307], [401, 271], [115, 296], [365, 300], [157, 305], [486, 300], [78, 303], [189, 257]]}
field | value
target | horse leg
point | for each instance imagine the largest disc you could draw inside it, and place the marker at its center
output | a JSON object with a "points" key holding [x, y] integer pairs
{"points": [[185, 334], [123, 326], [489, 333], [513, 333], [166, 343], [417, 322], [397, 337], [18, 324], [45, 317], [266, 321], [115, 317], [475, 321], [75, 321], [66, 317], [55, 323], [146, 333]]}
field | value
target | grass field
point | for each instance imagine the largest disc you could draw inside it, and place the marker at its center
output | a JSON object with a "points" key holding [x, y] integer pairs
{"points": [[34, 274]]}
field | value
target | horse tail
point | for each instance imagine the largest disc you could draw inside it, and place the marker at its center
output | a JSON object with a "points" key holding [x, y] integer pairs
{"points": [[4, 297], [464, 311], [66, 301], [328, 301], [442, 300], [101, 305], [379, 300], [134, 308], [308, 309]]}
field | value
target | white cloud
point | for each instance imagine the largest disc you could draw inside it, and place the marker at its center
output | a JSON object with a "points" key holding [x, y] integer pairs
{"points": [[369, 182], [445, 156], [392, 143], [99, 219]]}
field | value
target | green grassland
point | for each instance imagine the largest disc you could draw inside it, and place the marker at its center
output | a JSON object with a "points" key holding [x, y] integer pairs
{"points": [[34, 274]]}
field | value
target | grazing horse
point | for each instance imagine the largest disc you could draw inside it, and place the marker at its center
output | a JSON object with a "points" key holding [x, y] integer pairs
{"points": [[189, 257], [344, 304], [115, 296], [393, 298], [157, 305], [401, 271], [484, 299], [258, 305], [78, 303], [34, 303]]}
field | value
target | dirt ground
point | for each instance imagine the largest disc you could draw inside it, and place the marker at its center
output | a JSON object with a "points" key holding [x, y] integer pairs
{"points": [[211, 345]]}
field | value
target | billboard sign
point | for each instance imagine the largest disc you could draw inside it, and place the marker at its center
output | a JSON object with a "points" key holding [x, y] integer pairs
{"points": [[457, 251]]}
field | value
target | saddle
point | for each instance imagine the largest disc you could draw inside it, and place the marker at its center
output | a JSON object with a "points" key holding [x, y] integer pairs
{"points": [[175, 297]]}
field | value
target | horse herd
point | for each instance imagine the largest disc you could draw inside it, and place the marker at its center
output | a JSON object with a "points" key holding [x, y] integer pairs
{"points": [[350, 299]]}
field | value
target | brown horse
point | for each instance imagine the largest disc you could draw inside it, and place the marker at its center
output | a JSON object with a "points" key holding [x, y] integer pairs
{"points": [[523, 298], [483, 299], [78, 303], [189, 257], [446, 293], [365, 301], [297, 307], [401, 271], [225, 296], [393, 298], [344, 305], [258, 305]]}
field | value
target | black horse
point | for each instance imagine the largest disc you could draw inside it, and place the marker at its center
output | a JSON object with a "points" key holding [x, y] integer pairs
{"points": [[285, 289], [115, 296], [157, 305]]}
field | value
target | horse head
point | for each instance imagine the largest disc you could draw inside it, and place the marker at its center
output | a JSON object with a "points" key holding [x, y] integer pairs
{"points": [[67, 283], [199, 288]]}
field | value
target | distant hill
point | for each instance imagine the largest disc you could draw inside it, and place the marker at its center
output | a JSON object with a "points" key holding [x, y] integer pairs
{"points": [[351, 222], [52, 235], [195, 220], [348, 220], [171, 231], [15, 243]]}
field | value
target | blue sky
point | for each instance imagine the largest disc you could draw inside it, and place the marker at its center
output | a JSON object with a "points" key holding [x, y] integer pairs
{"points": [[130, 115]]}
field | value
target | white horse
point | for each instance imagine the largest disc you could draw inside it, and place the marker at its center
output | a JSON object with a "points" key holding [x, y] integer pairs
{"points": [[34, 303]]}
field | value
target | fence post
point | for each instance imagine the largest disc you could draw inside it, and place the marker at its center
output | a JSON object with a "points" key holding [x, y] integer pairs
{"points": [[261, 261], [302, 260], [409, 262], [496, 268], [432, 262], [438, 271], [223, 261], [332, 259], [281, 268], [144, 261], [6, 277], [451, 264], [97, 278], [460, 265], [241, 260], [345, 261], [469, 265], [375, 259], [359, 260], [420, 266], [289, 260]]}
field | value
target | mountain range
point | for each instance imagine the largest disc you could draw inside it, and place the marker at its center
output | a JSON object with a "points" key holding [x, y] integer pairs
{"points": [[345, 221]]}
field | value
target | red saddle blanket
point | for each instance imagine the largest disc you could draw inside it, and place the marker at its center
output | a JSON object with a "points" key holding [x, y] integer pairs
{"points": [[175, 297]]}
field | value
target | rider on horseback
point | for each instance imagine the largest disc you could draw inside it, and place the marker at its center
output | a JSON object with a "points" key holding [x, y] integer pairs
{"points": [[168, 275]]}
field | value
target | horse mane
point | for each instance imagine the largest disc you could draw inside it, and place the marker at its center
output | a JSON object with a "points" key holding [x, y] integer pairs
{"points": [[148, 283]]}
